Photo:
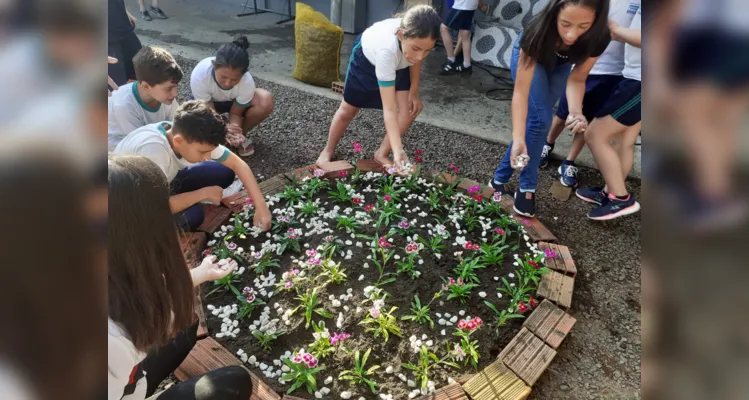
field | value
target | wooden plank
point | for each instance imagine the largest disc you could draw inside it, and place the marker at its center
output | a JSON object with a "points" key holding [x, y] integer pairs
{"points": [[563, 253], [192, 244], [496, 382], [369, 166], [559, 191], [535, 229], [274, 185], [565, 292], [334, 168], [449, 392], [215, 216], [236, 202], [206, 355], [550, 323], [301, 173], [261, 391], [556, 263], [200, 312], [557, 288], [527, 356], [287, 397]]}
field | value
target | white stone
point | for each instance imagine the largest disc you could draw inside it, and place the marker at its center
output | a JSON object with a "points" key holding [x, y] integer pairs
{"points": [[410, 383], [285, 368], [318, 395], [462, 312], [263, 366], [447, 315], [253, 359], [336, 303], [361, 277], [346, 308], [441, 321], [424, 337], [328, 380], [439, 315], [277, 363], [325, 390], [429, 343], [346, 395], [402, 377], [450, 380], [389, 369], [443, 332]]}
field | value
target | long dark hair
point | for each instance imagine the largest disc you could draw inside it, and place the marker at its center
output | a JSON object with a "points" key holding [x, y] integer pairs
{"points": [[541, 36], [234, 55], [420, 22], [150, 289]]}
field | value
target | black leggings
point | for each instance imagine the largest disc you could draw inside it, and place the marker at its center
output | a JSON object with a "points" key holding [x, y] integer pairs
{"points": [[226, 383]]}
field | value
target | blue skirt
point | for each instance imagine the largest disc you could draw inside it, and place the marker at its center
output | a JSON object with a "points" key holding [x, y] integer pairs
{"points": [[361, 88]]}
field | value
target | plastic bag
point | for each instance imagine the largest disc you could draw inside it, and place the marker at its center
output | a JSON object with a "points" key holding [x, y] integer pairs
{"points": [[318, 47]]}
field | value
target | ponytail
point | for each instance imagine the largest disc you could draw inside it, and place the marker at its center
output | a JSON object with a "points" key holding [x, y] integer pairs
{"points": [[234, 55]]}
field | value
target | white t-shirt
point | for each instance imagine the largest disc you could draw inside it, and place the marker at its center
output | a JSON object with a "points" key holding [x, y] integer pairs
{"points": [[122, 358], [466, 5], [611, 62], [128, 112], [381, 46], [204, 86], [632, 54], [151, 141]]}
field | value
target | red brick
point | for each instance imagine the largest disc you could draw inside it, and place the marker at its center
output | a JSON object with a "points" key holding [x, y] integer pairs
{"points": [[337, 87], [301, 173], [236, 201], [535, 229], [496, 382], [369, 166], [527, 356], [334, 168], [215, 216], [550, 323], [443, 177]]}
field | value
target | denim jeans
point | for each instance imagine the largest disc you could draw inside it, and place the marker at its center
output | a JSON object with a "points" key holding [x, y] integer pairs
{"points": [[198, 176], [546, 88]]}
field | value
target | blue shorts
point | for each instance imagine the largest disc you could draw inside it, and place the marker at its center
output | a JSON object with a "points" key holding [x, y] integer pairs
{"points": [[598, 89], [624, 104], [459, 19], [361, 88]]}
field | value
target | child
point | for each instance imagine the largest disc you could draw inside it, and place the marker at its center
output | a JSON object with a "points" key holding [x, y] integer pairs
{"points": [[566, 32], [620, 117], [197, 166], [227, 85], [151, 328], [158, 12], [603, 79], [460, 18], [384, 73], [149, 100]]}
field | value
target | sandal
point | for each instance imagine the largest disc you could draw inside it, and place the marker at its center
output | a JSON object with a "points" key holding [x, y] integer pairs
{"points": [[246, 149]]}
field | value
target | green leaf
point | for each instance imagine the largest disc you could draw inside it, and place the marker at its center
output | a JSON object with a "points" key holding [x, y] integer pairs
{"points": [[410, 366], [295, 386]]}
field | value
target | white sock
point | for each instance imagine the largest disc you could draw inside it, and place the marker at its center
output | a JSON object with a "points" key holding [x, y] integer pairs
{"points": [[451, 59], [466, 64]]}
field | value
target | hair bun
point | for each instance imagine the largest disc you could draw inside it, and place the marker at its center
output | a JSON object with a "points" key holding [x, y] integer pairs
{"points": [[241, 41]]}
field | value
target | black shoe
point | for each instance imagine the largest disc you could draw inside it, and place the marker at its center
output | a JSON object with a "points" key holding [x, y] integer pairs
{"points": [[594, 195], [499, 188], [460, 69], [615, 208], [525, 204], [448, 68], [548, 148], [159, 13], [146, 16]]}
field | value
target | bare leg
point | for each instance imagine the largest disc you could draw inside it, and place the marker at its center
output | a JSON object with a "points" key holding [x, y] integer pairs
{"points": [[260, 108], [598, 136], [382, 155], [557, 127], [465, 38], [578, 142], [342, 118], [447, 40], [155, 3], [627, 147], [458, 46], [141, 4]]}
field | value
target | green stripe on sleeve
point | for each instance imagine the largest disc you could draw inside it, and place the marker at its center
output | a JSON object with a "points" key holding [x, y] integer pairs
{"points": [[242, 105], [224, 156], [386, 83]]}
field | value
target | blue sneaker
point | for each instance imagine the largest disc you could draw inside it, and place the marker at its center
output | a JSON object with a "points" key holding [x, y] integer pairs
{"points": [[525, 204], [548, 148], [614, 208], [594, 195], [568, 174]]}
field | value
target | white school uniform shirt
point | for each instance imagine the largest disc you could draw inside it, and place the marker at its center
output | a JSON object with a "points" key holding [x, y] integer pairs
{"points": [[205, 87], [128, 112], [468, 5], [151, 141], [611, 62], [381, 46], [632, 54], [122, 358]]}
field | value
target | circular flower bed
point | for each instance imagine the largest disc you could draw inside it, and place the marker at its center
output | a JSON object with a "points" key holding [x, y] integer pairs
{"points": [[372, 286]]}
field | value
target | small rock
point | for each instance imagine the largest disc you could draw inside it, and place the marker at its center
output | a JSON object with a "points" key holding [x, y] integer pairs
{"points": [[447, 315], [411, 383], [496, 278], [482, 294], [462, 312], [389, 369], [263, 366], [328, 380], [318, 395], [285, 368], [441, 321], [252, 359], [429, 343], [402, 377], [346, 395], [325, 390], [424, 337], [454, 319], [443, 332], [450, 380]]}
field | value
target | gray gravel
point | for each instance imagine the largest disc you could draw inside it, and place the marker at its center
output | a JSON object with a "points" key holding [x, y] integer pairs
{"points": [[601, 358]]}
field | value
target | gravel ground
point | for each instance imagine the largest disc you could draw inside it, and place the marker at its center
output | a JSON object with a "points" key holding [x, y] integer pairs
{"points": [[601, 358]]}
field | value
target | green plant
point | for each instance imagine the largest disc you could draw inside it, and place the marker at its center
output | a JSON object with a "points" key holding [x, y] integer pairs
{"points": [[467, 349], [239, 230], [309, 301], [383, 325], [361, 375], [226, 283], [467, 268], [333, 272], [267, 337], [427, 361], [412, 181], [348, 223], [532, 270], [517, 292], [384, 250], [403, 228], [248, 301], [502, 316], [309, 208], [321, 347], [291, 194], [265, 261], [290, 240], [387, 212], [407, 265], [471, 222], [282, 223], [421, 313], [303, 372], [433, 201], [458, 289], [493, 254], [313, 186], [341, 193]]}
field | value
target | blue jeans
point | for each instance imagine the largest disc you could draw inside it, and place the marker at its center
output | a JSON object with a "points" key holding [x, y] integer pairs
{"points": [[198, 176], [546, 88]]}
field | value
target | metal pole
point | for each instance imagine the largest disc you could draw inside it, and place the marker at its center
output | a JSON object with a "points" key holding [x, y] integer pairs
{"points": [[335, 12]]}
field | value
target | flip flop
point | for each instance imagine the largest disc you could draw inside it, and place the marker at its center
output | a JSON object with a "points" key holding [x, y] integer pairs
{"points": [[246, 149]]}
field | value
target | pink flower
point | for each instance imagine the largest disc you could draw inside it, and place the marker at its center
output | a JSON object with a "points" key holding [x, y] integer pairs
{"points": [[315, 261], [522, 307], [452, 281], [207, 252], [387, 197], [247, 290], [499, 231], [297, 359], [368, 207], [249, 200], [289, 285], [549, 253], [460, 282], [412, 248], [357, 147], [342, 174], [471, 325], [462, 324], [526, 222], [444, 287], [307, 357], [404, 224], [418, 159], [474, 189], [419, 152], [311, 253], [497, 197], [312, 364], [251, 298], [533, 302], [356, 201], [479, 321], [259, 254], [374, 312], [383, 242], [329, 239], [294, 272], [319, 172], [231, 246], [338, 337]]}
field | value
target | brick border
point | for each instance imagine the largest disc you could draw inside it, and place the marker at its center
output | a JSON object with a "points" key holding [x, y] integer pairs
{"points": [[519, 365]]}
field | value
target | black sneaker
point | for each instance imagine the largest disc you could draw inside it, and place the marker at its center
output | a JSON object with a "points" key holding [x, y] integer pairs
{"points": [[568, 175], [499, 188], [525, 204], [448, 68], [461, 69], [159, 13], [548, 148], [145, 15], [594, 195], [615, 208]]}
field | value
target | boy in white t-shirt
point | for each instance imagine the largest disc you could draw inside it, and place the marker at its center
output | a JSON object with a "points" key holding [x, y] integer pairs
{"points": [[196, 165], [601, 82], [225, 82], [460, 18], [150, 100]]}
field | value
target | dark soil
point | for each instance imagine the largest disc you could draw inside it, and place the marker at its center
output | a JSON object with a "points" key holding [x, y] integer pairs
{"points": [[402, 291]]}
